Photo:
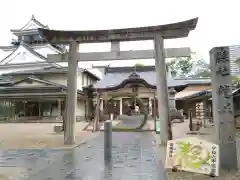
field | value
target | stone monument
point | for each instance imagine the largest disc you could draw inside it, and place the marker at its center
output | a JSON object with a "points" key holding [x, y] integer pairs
{"points": [[223, 112]]}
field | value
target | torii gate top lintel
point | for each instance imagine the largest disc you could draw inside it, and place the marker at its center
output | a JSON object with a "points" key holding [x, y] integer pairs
{"points": [[167, 31]]}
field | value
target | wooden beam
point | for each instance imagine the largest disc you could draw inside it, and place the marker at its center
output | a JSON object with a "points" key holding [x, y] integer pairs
{"points": [[17, 95], [121, 55]]}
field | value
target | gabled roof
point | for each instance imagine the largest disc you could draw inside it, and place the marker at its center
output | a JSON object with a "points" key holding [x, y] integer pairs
{"points": [[47, 46], [46, 84], [31, 28], [116, 76], [33, 23], [51, 70], [23, 50], [34, 46], [26, 54], [34, 79]]}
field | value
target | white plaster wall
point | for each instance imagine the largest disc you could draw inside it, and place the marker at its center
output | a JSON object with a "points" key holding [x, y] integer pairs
{"points": [[56, 78], [80, 111], [85, 80], [24, 84], [55, 112], [143, 92], [79, 80], [45, 50]]}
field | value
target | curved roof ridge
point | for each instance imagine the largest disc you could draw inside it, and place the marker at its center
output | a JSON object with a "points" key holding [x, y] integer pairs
{"points": [[168, 31], [33, 19]]}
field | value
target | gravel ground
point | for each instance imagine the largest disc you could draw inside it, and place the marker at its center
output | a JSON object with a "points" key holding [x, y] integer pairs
{"points": [[37, 136]]}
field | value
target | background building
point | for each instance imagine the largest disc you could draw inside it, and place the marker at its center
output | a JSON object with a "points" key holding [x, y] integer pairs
{"points": [[32, 89]]}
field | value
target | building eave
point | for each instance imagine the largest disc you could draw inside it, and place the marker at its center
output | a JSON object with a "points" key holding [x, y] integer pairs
{"points": [[37, 64], [43, 45], [28, 49], [206, 94], [7, 48], [26, 96], [32, 52], [136, 81], [18, 89], [168, 31], [91, 74], [19, 32], [59, 70]]}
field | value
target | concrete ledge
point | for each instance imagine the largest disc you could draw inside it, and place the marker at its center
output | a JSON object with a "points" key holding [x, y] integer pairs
{"points": [[58, 128]]}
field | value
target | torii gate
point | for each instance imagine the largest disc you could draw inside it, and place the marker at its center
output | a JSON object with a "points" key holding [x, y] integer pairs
{"points": [[155, 33]]}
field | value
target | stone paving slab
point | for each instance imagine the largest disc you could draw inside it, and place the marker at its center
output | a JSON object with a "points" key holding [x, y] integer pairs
{"points": [[133, 158]]}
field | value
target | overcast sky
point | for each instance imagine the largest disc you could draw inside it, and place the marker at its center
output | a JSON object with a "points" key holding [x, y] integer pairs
{"points": [[219, 20]]}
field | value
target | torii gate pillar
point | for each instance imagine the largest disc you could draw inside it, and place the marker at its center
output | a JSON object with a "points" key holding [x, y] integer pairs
{"points": [[156, 33], [69, 134], [162, 89]]}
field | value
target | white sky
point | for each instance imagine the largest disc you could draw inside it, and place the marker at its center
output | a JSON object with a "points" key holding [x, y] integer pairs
{"points": [[219, 22]]}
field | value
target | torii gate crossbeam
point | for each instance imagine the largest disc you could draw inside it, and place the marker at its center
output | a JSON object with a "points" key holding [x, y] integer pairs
{"points": [[120, 55], [156, 33]]}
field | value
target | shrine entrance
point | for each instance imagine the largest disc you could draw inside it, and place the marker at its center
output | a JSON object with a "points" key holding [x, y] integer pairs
{"points": [[133, 120], [111, 107], [115, 36], [129, 105]]}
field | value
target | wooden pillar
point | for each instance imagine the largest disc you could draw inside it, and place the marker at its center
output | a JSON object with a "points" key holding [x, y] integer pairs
{"points": [[39, 110], [172, 99], [149, 106], [97, 112], [85, 109], [11, 109], [154, 110], [59, 109], [24, 108], [121, 106]]}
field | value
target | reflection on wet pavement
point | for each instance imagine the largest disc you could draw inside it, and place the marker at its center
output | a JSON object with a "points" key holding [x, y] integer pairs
{"points": [[133, 158]]}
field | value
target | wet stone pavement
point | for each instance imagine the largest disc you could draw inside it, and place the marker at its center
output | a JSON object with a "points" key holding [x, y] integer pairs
{"points": [[133, 159]]}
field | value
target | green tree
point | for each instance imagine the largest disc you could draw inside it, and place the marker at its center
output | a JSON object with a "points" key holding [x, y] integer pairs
{"points": [[236, 81], [184, 65], [203, 73], [139, 65], [180, 66], [189, 66]]}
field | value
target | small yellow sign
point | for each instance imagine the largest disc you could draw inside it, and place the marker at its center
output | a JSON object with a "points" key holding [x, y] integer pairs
{"points": [[194, 155]]}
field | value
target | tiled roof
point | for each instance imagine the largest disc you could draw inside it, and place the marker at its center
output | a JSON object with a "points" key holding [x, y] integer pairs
{"points": [[206, 93], [115, 76], [47, 85], [49, 70]]}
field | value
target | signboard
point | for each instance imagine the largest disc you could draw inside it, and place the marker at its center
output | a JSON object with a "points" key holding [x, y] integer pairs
{"points": [[194, 155]]}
